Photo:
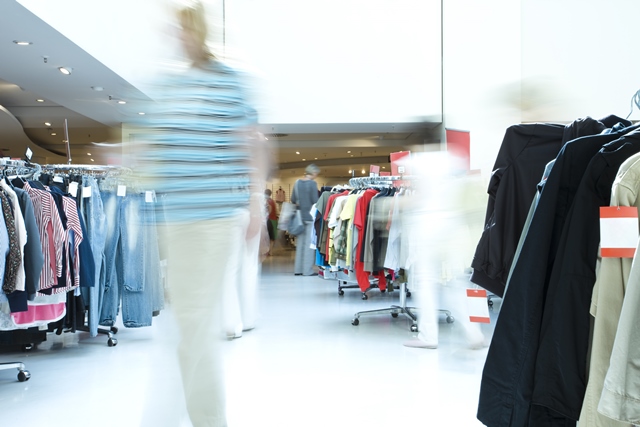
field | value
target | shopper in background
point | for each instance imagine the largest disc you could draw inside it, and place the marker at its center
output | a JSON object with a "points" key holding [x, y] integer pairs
{"points": [[272, 218], [194, 149], [305, 195]]}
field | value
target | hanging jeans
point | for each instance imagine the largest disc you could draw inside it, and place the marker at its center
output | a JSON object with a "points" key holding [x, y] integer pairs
{"points": [[305, 256], [124, 261], [202, 257], [93, 212]]}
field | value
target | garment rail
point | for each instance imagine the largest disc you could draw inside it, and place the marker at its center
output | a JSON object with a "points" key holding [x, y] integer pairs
{"points": [[100, 171], [402, 308], [24, 170]]}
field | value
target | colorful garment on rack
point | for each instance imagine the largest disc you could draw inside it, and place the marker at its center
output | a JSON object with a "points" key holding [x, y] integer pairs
{"points": [[52, 234]]}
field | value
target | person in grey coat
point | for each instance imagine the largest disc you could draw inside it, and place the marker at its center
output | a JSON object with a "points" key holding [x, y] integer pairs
{"points": [[305, 194]]}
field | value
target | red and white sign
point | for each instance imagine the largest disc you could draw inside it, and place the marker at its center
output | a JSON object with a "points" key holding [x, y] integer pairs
{"points": [[618, 231], [400, 162], [374, 170], [478, 306]]}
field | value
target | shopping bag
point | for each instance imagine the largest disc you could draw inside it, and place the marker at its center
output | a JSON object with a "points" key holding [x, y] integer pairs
{"points": [[287, 212], [296, 226]]}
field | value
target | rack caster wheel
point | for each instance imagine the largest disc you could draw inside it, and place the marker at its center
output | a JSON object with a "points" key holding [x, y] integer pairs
{"points": [[27, 347], [23, 376], [414, 328], [355, 322], [112, 342], [408, 294], [450, 319], [340, 292], [394, 315], [114, 329], [365, 297]]}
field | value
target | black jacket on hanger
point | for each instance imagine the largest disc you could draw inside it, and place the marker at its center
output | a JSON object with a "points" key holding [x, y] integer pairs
{"points": [[508, 375], [561, 364], [523, 155]]}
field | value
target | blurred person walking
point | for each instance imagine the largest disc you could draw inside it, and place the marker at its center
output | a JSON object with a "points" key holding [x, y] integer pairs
{"points": [[305, 195], [194, 150]]}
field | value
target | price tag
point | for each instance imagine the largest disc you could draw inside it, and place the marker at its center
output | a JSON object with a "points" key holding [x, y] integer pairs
{"points": [[86, 192], [29, 153], [149, 196], [58, 178], [73, 188], [618, 231], [478, 306], [122, 190]]}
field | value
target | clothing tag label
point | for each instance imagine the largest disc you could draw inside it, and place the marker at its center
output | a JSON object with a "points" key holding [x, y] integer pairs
{"points": [[478, 306], [73, 188], [122, 190], [86, 192], [618, 231], [58, 178], [149, 196]]}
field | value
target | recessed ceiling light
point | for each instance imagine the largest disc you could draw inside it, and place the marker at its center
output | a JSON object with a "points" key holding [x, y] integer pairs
{"points": [[363, 172], [297, 152], [304, 160], [352, 155], [65, 70], [141, 113], [350, 170], [22, 42], [122, 102], [53, 134], [92, 160], [349, 152], [40, 100], [315, 158], [384, 167], [88, 154], [47, 124]]}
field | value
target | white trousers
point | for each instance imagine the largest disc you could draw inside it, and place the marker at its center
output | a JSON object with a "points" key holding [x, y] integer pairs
{"points": [[202, 257]]}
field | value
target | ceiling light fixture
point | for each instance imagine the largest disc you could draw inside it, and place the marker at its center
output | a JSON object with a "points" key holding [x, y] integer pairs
{"points": [[141, 113], [47, 124], [53, 134], [349, 152], [350, 170], [88, 154], [297, 152], [92, 160], [22, 42], [65, 70], [122, 102], [40, 100], [304, 160], [363, 172]]}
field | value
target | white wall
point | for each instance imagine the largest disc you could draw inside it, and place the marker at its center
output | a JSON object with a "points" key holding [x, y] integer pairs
{"points": [[340, 61], [481, 60], [582, 54]]}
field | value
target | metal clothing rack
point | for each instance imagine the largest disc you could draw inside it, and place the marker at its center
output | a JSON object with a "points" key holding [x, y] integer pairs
{"points": [[394, 310], [96, 171], [23, 169]]}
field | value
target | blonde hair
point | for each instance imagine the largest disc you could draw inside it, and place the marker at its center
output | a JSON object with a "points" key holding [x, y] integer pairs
{"points": [[193, 19]]}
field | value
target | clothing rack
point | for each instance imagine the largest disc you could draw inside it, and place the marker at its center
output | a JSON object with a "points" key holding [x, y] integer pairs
{"points": [[394, 310], [21, 169], [96, 171]]}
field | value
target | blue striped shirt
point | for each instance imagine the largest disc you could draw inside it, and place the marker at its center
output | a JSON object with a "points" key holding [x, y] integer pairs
{"points": [[194, 146]]}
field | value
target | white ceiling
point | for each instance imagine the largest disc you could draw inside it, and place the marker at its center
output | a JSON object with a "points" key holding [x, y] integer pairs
{"points": [[92, 116]]}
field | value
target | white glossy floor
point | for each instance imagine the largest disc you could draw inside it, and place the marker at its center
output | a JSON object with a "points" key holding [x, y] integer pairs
{"points": [[305, 365]]}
